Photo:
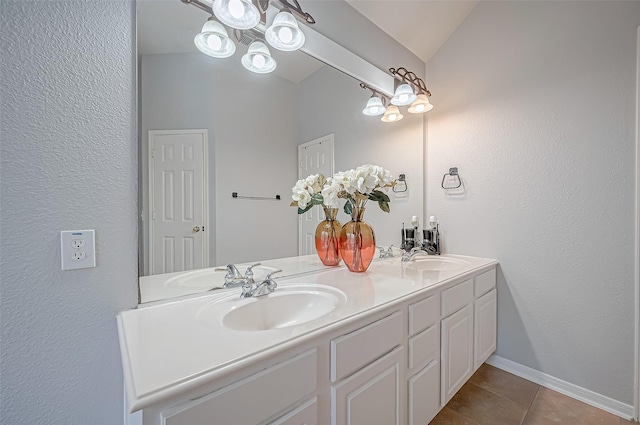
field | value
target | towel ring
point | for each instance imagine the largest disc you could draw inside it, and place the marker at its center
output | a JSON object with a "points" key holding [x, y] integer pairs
{"points": [[454, 173]]}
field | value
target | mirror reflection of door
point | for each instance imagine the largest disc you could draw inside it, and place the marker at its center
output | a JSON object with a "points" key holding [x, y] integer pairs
{"points": [[314, 157], [178, 200]]}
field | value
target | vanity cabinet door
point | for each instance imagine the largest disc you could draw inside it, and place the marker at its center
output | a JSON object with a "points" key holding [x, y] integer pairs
{"points": [[424, 394], [457, 351], [485, 320], [372, 395]]}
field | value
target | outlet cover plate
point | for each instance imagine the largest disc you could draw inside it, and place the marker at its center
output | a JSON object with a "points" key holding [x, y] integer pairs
{"points": [[77, 249]]}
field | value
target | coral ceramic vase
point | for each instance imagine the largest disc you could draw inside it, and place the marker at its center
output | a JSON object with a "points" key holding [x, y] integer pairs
{"points": [[327, 238], [357, 242]]}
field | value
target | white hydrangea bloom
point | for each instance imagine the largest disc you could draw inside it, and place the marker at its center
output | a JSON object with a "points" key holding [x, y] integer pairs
{"points": [[330, 192]]}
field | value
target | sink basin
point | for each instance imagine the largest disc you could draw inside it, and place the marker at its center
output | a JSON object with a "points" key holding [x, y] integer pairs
{"points": [[437, 263], [288, 306]]}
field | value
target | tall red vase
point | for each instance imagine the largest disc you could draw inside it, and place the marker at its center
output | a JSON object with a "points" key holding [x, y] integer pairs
{"points": [[357, 242], [327, 238]]}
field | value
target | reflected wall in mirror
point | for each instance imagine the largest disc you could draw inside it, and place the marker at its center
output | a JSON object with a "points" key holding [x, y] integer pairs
{"points": [[254, 124]]}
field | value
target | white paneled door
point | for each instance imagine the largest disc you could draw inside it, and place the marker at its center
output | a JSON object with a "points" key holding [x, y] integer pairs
{"points": [[178, 200], [315, 157]]}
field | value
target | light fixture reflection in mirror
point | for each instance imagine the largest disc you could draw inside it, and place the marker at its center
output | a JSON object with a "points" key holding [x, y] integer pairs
{"points": [[258, 58], [247, 20], [238, 14], [284, 34], [214, 41]]}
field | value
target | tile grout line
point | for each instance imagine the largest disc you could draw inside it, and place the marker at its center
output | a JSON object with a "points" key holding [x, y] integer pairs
{"points": [[530, 406]]}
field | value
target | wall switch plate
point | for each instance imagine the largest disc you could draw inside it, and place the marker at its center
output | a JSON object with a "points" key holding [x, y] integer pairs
{"points": [[77, 249]]}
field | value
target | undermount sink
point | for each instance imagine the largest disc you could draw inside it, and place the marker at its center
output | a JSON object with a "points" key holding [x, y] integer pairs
{"points": [[437, 263], [287, 306]]}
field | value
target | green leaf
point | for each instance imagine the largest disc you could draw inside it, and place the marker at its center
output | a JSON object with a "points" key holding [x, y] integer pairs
{"points": [[307, 208], [378, 196], [384, 206], [317, 199], [348, 207]]}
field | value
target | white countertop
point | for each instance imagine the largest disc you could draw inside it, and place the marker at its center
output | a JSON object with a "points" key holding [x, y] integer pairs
{"points": [[176, 346], [163, 286]]}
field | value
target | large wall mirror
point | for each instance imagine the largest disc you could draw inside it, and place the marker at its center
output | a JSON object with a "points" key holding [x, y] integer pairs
{"points": [[244, 131]]}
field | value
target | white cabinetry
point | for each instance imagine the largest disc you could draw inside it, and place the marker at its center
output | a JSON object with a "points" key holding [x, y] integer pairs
{"points": [[423, 394], [457, 351], [306, 414], [372, 395], [468, 330], [252, 400], [485, 316], [398, 367]]}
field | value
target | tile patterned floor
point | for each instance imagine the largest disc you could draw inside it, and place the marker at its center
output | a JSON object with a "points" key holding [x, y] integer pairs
{"points": [[495, 397]]}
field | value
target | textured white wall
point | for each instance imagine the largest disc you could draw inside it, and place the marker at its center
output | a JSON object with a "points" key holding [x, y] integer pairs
{"points": [[68, 162], [332, 103], [535, 102]]}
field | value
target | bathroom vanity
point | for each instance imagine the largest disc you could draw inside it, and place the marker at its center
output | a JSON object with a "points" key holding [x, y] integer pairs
{"points": [[388, 346]]}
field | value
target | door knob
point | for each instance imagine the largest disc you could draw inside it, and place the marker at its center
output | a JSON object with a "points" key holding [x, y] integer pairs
{"points": [[196, 229]]}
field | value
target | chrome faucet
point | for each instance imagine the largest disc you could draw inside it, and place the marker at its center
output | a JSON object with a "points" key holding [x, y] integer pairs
{"points": [[267, 286], [411, 255], [233, 278], [386, 253]]}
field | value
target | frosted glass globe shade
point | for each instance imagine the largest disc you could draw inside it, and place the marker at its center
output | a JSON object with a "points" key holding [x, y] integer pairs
{"points": [[258, 58], [239, 14], [404, 95], [284, 34], [214, 41]]}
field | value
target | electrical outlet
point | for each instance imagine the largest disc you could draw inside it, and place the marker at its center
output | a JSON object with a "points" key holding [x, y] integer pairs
{"points": [[77, 249]]}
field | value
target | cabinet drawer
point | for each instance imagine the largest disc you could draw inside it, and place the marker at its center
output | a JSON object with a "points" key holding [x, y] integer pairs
{"points": [[359, 348], [424, 347], [423, 314], [456, 297], [485, 282], [271, 391], [306, 414]]}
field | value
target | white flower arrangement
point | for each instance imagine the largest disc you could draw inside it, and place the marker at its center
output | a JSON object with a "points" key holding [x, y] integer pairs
{"points": [[307, 192], [357, 186], [360, 185]]}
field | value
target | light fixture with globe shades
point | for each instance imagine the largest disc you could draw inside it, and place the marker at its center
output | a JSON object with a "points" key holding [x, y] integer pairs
{"points": [[409, 90], [247, 19]]}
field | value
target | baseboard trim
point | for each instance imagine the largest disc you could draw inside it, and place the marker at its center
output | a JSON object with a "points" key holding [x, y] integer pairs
{"points": [[587, 396]]}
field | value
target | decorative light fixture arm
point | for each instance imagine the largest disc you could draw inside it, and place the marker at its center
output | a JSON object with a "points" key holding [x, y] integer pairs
{"points": [[262, 6], [385, 98], [297, 9], [404, 76]]}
